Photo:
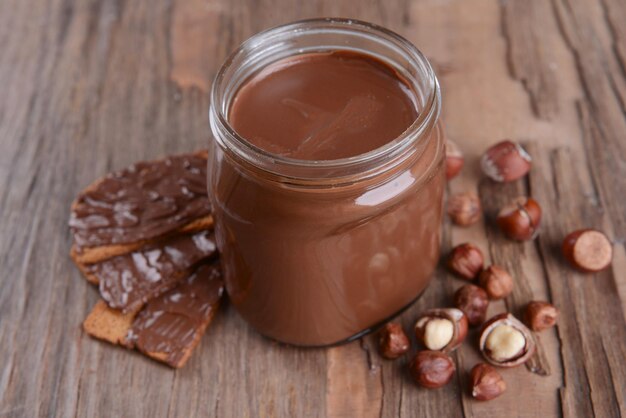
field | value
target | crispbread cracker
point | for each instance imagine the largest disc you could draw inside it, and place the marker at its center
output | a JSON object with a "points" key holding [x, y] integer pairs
{"points": [[128, 281], [117, 328], [92, 255], [108, 324], [89, 254]]}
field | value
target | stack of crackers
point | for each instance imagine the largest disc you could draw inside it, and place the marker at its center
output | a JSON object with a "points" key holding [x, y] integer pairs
{"points": [[144, 236]]}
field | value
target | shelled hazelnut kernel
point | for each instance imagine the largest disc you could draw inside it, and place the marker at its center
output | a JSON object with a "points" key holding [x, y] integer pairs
{"points": [[505, 161], [473, 301], [520, 219], [505, 341], [466, 261], [464, 208], [441, 329], [588, 250], [496, 281], [540, 315], [432, 369]]}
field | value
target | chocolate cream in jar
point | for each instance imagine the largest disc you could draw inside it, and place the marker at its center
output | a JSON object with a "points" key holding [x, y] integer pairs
{"points": [[326, 177]]}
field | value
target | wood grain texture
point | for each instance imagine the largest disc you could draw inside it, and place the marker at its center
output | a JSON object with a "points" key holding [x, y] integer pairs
{"points": [[94, 85]]}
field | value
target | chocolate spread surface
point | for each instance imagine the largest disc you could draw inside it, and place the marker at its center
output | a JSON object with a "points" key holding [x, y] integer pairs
{"points": [[323, 106], [128, 281], [171, 323], [144, 201]]}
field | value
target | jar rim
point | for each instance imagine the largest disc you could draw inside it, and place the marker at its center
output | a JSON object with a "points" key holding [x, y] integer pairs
{"points": [[278, 164]]}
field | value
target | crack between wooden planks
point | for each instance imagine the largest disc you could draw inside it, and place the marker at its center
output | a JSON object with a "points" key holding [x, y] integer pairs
{"points": [[406, 13], [534, 83], [169, 54], [614, 50], [459, 360], [614, 36], [65, 18], [610, 371], [586, 381], [169, 402], [587, 124], [217, 406], [553, 179], [80, 382], [573, 48], [28, 253]]}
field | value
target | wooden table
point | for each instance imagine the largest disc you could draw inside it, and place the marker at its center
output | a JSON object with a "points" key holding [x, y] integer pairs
{"points": [[90, 86]]}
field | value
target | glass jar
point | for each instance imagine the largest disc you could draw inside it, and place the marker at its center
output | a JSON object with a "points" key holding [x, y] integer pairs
{"points": [[320, 252]]}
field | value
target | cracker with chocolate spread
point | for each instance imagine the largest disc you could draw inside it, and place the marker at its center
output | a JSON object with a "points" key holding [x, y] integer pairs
{"points": [[127, 209], [128, 281], [169, 326]]}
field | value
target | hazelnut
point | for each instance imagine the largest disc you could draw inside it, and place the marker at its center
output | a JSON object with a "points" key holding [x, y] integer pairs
{"points": [[505, 161], [588, 250], [454, 159], [432, 369], [540, 315], [496, 281], [520, 219], [505, 341], [473, 301], [464, 209], [466, 260], [486, 382], [393, 342], [441, 329]]}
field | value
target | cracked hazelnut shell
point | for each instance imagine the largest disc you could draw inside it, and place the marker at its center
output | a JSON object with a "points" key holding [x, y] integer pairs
{"points": [[505, 341], [441, 329]]}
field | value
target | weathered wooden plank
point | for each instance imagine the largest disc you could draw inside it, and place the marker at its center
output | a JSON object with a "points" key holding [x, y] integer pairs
{"points": [[92, 85], [523, 24], [591, 317]]}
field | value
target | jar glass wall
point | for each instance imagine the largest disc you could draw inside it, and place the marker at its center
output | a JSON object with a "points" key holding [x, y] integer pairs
{"points": [[319, 252]]}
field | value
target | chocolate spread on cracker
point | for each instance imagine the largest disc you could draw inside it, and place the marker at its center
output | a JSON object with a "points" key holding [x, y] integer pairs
{"points": [[128, 281], [172, 323], [145, 201]]}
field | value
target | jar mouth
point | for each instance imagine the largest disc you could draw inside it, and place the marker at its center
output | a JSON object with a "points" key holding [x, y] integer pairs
{"points": [[275, 41]]}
